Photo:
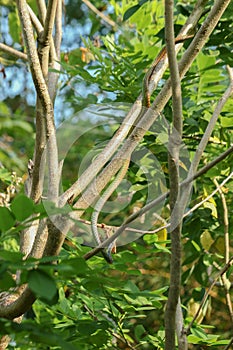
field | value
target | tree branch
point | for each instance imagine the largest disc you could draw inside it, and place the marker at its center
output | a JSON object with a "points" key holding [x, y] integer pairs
{"points": [[10, 51], [173, 163], [225, 281], [100, 14], [55, 52], [42, 10], [219, 274], [58, 28], [35, 21]]}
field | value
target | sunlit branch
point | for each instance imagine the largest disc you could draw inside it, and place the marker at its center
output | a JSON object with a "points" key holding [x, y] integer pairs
{"points": [[9, 50]]}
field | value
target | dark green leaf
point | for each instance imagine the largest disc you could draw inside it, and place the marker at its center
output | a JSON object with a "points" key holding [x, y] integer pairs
{"points": [[7, 219], [22, 207], [14, 257], [6, 281], [130, 12], [42, 284]]}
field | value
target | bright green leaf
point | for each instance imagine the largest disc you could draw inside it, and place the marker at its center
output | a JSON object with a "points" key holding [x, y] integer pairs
{"points": [[14, 25]]}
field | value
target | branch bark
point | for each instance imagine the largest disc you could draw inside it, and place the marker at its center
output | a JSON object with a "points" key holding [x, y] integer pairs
{"points": [[9, 50], [175, 139]]}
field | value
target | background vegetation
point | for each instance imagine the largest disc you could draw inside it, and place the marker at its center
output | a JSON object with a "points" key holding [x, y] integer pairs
{"points": [[105, 53]]}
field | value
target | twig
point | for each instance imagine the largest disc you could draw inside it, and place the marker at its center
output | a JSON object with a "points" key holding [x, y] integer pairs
{"points": [[225, 280], [219, 274], [9, 50], [100, 14], [225, 218], [229, 345], [210, 196]]}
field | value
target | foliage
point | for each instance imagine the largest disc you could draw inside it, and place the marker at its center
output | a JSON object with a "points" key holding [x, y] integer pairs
{"points": [[88, 304]]}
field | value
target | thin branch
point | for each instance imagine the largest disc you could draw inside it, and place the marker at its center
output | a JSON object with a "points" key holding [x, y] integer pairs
{"points": [[153, 203], [35, 21], [100, 14], [225, 280], [173, 308], [55, 45], [229, 345], [46, 36], [225, 219], [210, 195], [58, 28], [219, 274], [9, 50], [42, 10]]}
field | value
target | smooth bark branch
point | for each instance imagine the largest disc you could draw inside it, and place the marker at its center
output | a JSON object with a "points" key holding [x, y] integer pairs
{"points": [[39, 156], [100, 14], [207, 293], [58, 29], [42, 10], [225, 281], [9, 50], [35, 21], [55, 45], [173, 163], [52, 76], [46, 36]]}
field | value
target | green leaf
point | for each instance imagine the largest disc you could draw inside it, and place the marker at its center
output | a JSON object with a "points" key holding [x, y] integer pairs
{"points": [[139, 331], [14, 25], [22, 207], [42, 284], [226, 122], [7, 219], [13, 257], [5, 175], [6, 282], [130, 12]]}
